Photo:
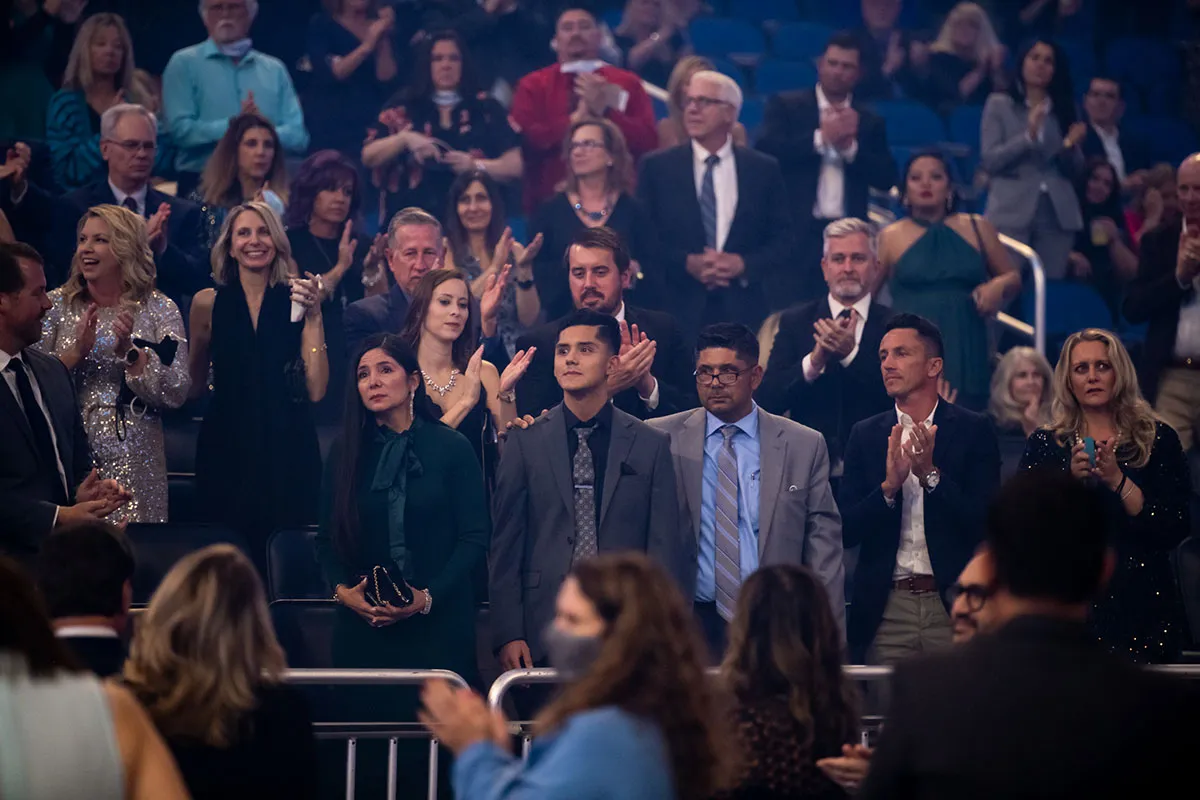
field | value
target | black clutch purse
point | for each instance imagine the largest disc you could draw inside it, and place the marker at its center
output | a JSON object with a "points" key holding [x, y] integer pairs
{"points": [[382, 589]]}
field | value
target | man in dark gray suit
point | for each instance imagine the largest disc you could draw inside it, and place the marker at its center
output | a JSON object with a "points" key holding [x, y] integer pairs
{"points": [[584, 478], [46, 475], [755, 486]]}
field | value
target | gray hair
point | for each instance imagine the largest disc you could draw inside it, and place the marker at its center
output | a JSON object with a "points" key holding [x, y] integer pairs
{"points": [[848, 226], [110, 118], [251, 6], [413, 217], [730, 92]]}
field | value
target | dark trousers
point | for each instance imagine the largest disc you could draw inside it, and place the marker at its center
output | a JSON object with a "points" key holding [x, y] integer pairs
{"points": [[714, 628]]}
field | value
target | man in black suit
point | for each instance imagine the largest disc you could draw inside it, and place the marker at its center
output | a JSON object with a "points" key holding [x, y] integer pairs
{"points": [[128, 139], [1035, 707], [1104, 108], [832, 151], [720, 215], [824, 366], [652, 378], [85, 572], [1166, 294], [46, 475], [916, 482]]}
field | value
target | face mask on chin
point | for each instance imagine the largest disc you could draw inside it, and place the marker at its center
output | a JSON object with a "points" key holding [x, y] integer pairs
{"points": [[236, 49], [572, 655]]}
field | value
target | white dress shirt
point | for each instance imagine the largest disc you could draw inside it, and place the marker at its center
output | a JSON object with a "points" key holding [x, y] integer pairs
{"points": [[831, 185], [651, 401], [86, 632], [139, 197], [11, 380], [913, 556], [1112, 150], [725, 185], [861, 309], [1187, 335]]}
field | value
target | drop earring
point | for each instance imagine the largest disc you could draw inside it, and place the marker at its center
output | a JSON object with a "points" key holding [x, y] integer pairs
{"points": [[412, 406]]}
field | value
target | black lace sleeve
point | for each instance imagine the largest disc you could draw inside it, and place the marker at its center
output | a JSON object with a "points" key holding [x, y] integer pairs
{"points": [[1165, 518], [1043, 452]]}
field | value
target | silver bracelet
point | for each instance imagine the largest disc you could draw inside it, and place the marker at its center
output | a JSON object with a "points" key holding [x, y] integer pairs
{"points": [[428, 602]]}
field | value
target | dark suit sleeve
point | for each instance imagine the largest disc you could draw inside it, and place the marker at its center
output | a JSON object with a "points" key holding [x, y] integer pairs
{"points": [[1155, 290], [471, 523], [510, 510], [537, 390], [23, 518], [359, 324], [672, 542], [46, 222], [81, 451], [669, 257], [890, 775], [964, 494], [786, 138], [874, 162], [676, 384], [775, 251], [861, 496], [184, 266], [785, 366]]}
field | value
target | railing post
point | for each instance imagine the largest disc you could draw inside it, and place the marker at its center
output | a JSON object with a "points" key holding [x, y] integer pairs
{"points": [[351, 766], [393, 748], [433, 769]]}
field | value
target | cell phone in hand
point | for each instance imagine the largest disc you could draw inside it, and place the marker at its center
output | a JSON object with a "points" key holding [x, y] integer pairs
{"points": [[1089, 447]]}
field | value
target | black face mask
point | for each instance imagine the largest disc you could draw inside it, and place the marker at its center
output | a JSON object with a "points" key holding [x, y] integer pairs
{"points": [[571, 655]]}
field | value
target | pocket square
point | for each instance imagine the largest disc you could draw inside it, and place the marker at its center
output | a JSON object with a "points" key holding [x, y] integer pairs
{"points": [[626, 469]]}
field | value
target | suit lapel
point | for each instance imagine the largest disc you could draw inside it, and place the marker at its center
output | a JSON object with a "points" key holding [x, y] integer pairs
{"points": [[686, 176], [619, 445], [554, 447], [770, 485], [691, 451], [944, 419]]}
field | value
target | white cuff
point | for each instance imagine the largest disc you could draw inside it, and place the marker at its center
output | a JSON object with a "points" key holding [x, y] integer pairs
{"points": [[651, 401], [848, 360], [850, 153], [819, 142], [811, 373]]}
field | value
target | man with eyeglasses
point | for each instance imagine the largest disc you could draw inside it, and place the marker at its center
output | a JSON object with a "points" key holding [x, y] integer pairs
{"points": [[755, 486], [1104, 108]]}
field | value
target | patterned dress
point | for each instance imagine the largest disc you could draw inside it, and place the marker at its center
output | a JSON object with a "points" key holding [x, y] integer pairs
{"points": [[126, 439]]}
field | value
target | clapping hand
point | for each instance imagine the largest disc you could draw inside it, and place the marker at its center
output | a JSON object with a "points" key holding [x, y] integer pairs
{"points": [[594, 91], [108, 491], [489, 302], [946, 391], [471, 379], [458, 161], [459, 718], [1037, 116], [1107, 470], [307, 292], [834, 336], [899, 463], [422, 147], [1075, 134], [85, 332], [634, 361], [382, 26], [249, 106], [1187, 263], [988, 297], [919, 449], [123, 331], [16, 165], [524, 255], [516, 369], [850, 770], [156, 228]]}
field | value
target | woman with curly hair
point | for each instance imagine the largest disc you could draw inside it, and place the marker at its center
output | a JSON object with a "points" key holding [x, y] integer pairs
{"points": [[1103, 432], [634, 719]]}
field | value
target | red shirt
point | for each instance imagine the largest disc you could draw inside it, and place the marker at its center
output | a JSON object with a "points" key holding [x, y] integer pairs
{"points": [[541, 112]]}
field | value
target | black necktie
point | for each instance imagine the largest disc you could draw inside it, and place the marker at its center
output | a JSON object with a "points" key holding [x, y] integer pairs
{"points": [[846, 312], [131, 204], [47, 457]]}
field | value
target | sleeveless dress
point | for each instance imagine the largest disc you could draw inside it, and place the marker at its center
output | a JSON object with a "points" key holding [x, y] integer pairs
{"points": [[258, 464], [934, 278]]}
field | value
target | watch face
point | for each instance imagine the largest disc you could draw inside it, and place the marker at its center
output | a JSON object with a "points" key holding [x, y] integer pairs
{"points": [[931, 480]]}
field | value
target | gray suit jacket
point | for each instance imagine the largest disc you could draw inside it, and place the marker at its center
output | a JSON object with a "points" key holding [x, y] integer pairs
{"points": [[798, 519], [534, 514], [1017, 166]]}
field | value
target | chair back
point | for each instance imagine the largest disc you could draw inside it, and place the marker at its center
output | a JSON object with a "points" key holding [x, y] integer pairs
{"points": [[158, 546], [292, 569]]}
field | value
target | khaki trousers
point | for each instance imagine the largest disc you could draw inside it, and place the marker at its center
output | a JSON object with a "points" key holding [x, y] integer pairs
{"points": [[912, 624], [1179, 403]]}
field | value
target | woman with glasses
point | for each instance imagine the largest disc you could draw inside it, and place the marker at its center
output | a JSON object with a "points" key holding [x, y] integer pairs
{"points": [[125, 346], [596, 192]]}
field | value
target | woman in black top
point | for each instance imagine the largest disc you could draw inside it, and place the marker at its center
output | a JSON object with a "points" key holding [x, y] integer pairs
{"points": [[353, 64], [596, 192], [1102, 256], [966, 63], [441, 126]]}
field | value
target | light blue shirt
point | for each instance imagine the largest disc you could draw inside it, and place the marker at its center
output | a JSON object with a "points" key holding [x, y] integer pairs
{"points": [[747, 448], [202, 89]]}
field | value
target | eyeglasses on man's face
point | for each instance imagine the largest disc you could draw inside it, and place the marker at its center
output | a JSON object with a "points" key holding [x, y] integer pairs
{"points": [[702, 102], [975, 595], [725, 377], [133, 146]]}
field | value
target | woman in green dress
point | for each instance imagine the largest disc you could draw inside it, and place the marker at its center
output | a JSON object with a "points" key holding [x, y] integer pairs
{"points": [[951, 269]]}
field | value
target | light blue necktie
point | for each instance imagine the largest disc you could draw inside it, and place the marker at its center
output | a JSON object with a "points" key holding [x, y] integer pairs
{"points": [[708, 203]]}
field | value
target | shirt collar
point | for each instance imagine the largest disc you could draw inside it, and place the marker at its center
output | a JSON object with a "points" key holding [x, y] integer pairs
{"points": [[747, 424], [209, 50], [863, 306], [86, 632], [900, 415], [4, 359], [139, 196], [1104, 135], [601, 420], [699, 154], [620, 315], [581, 65], [824, 103]]}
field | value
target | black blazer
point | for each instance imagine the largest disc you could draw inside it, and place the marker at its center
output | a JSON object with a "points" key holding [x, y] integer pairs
{"points": [[1155, 297], [538, 390], [791, 119], [761, 233], [1034, 710], [374, 314], [27, 506], [103, 655], [841, 396], [1134, 151], [967, 456]]}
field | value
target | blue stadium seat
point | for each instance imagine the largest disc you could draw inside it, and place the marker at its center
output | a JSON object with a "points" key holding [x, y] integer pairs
{"points": [[1081, 60], [800, 41], [715, 36], [760, 11], [753, 109], [773, 76], [1070, 307], [157, 547], [293, 572], [964, 125], [1149, 72], [1170, 139], [911, 124], [661, 111], [727, 67]]}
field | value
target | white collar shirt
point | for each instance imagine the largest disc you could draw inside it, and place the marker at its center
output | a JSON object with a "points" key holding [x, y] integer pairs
{"points": [[725, 185], [139, 197], [11, 380], [1187, 333], [912, 557], [1112, 149], [831, 184]]}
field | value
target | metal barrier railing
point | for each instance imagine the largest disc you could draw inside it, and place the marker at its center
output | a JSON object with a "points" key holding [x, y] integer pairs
{"points": [[354, 731], [1038, 330]]}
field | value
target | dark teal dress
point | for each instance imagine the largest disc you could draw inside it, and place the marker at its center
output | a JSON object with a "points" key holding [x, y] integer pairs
{"points": [[934, 278]]}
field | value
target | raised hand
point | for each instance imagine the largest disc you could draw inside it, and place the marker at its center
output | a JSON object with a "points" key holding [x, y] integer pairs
{"points": [[632, 366], [946, 391], [489, 302], [502, 250], [85, 332], [249, 106], [524, 255], [156, 228], [516, 368], [919, 449], [307, 292], [123, 331], [898, 465]]}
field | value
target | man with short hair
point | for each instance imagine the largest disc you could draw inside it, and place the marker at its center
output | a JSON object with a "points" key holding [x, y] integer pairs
{"points": [[1104, 108], [823, 369], [46, 475], [719, 213], [652, 378], [580, 86], [584, 478], [832, 150], [916, 483], [85, 572], [1037, 708], [755, 486], [208, 83]]}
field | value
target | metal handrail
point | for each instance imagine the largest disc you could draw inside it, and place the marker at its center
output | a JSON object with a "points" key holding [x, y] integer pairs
{"points": [[376, 677], [1039, 294]]}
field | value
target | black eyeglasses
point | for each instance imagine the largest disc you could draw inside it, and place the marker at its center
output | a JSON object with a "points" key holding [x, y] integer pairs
{"points": [[704, 102], [976, 594], [133, 147], [724, 377]]}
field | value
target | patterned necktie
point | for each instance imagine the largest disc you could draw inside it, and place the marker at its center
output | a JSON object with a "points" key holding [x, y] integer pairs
{"points": [[584, 472], [42, 439], [728, 558], [708, 203], [131, 204]]}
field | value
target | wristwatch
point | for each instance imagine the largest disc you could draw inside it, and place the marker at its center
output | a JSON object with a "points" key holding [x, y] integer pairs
{"points": [[931, 481], [131, 356]]}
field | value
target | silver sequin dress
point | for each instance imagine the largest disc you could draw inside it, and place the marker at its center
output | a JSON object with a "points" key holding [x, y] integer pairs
{"points": [[127, 447]]}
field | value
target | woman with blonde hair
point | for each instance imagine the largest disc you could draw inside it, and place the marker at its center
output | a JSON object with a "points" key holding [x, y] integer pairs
{"points": [[636, 716], [670, 130], [247, 164], [966, 62], [1102, 431], [258, 466], [125, 345], [1019, 402], [207, 667]]}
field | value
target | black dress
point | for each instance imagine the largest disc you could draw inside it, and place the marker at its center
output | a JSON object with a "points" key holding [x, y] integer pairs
{"points": [[557, 221], [946, 71], [258, 465], [337, 111], [1140, 616]]}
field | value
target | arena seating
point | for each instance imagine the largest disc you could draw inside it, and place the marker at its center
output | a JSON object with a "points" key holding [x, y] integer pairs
{"points": [[292, 569], [156, 548]]}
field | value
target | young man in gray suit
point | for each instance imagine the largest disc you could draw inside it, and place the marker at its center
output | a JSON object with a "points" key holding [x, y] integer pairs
{"points": [[583, 478], [755, 486]]}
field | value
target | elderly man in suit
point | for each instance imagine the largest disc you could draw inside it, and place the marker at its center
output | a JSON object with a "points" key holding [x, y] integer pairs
{"points": [[583, 478], [832, 150], [755, 486], [720, 214], [824, 367], [46, 475]]}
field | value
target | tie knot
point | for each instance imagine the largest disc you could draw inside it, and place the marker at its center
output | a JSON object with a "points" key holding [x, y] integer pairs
{"points": [[712, 160], [583, 432], [14, 364], [847, 313], [131, 204], [729, 431]]}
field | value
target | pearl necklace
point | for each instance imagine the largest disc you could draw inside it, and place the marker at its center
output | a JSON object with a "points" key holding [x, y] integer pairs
{"points": [[441, 390]]}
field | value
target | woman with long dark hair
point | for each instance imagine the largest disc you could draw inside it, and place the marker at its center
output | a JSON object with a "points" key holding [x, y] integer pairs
{"points": [[635, 719], [1103, 256]]}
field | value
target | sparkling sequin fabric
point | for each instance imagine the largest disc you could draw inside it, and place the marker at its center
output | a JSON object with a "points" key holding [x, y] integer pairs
{"points": [[1140, 615], [127, 447]]}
